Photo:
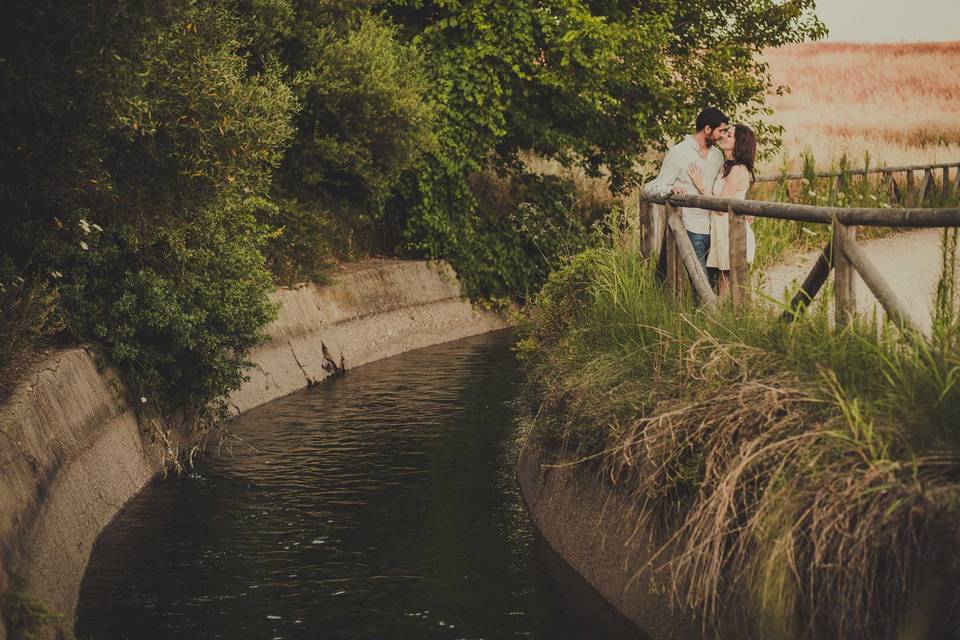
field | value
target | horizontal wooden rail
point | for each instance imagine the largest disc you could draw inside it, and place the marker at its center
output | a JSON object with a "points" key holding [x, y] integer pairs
{"points": [[915, 217], [859, 172], [663, 229]]}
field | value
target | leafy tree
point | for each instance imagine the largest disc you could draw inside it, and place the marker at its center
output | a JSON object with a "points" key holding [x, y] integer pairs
{"points": [[136, 148], [364, 119], [593, 84]]}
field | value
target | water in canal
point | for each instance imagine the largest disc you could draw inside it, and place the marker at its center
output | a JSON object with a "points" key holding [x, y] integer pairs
{"points": [[380, 505]]}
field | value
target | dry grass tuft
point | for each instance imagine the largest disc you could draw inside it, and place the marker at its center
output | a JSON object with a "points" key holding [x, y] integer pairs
{"points": [[776, 469]]}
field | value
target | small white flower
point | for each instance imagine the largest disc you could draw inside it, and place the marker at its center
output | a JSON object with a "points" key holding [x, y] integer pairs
{"points": [[873, 197], [96, 226], [143, 399], [840, 196], [83, 245], [56, 274], [84, 225], [804, 181], [811, 192]]}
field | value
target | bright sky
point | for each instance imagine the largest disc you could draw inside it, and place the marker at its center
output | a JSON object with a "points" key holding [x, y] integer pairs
{"points": [[890, 20]]}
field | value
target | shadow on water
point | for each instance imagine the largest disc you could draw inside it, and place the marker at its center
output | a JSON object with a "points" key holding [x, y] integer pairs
{"points": [[379, 505]]}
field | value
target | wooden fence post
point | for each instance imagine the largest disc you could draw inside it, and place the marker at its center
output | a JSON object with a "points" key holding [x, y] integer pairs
{"points": [[844, 274], [739, 275], [956, 183], [946, 183], [892, 187], [926, 185], [659, 216], [812, 284], [908, 196], [691, 271], [645, 229], [675, 270]]}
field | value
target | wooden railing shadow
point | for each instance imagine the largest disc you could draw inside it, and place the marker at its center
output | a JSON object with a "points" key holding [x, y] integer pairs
{"points": [[663, 234]]}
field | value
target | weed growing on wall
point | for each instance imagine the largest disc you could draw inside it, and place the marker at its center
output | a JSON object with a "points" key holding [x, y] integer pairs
{"points": [[27, 617]]}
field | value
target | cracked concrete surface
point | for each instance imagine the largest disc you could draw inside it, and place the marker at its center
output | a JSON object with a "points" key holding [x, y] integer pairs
{"points": [[369, 312]]}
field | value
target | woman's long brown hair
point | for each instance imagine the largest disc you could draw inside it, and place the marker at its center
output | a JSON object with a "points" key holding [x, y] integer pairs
{"points": [[744, 150]]}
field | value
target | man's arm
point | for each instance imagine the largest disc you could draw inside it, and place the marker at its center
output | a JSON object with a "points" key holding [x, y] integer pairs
{"points": [[670, 170]]}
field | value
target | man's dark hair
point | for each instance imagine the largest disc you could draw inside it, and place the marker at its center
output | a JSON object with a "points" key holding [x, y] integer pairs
{"points": [[711, 117]]}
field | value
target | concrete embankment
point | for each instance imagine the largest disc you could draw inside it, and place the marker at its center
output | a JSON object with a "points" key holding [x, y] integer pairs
{"points": [[72, 451], [594, 529]]}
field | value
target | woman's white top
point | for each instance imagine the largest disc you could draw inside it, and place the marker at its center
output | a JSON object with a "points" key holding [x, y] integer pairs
{"points": [[719, 255]]}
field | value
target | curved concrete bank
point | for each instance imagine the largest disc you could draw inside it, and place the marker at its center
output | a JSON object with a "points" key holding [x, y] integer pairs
{"points": [[72, 452], [594, 530]]}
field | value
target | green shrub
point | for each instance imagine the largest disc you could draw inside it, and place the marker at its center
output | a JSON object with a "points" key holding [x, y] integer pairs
{"points": [[176, 308], [26, 617], [521, 228], [143, 134], [364, 119], [591, 85]]}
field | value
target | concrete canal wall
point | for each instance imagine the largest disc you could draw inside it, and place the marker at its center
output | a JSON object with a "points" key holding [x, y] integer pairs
{"points": [[72, 451], [594, 530]]}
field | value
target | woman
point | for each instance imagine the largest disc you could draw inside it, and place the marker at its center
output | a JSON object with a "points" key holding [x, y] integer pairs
{"points": [[739, 147]]}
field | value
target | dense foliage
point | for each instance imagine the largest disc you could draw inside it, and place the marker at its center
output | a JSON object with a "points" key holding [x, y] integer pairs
{"points": [[165, 163], [364, 119], [135, 149], [591, 84]]}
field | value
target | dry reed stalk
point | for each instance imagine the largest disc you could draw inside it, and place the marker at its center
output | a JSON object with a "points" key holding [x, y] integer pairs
{"points": [[765, 504]]}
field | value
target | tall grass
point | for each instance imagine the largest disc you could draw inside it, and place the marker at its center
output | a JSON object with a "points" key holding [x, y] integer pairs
{"points": [[777, 239], [29, 317], [801, 482]]}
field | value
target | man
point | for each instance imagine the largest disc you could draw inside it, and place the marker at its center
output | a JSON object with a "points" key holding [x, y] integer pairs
{"points": [[699, 150]]}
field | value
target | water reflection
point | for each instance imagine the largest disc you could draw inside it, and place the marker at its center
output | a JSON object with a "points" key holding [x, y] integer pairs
{"points": [[379, 505]]}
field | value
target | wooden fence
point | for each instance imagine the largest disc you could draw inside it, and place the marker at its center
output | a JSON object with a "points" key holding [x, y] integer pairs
{"points": [[663, 234], [900, 190]]}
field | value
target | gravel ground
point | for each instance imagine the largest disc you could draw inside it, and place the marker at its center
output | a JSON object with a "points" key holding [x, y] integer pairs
{"points": [[909, 262]]}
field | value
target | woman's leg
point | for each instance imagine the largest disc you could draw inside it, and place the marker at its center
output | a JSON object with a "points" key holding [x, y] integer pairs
{"points": [[723, 284]]}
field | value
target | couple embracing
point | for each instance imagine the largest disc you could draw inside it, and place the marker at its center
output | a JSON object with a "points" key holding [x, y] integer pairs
{"points": [[717, 160]]}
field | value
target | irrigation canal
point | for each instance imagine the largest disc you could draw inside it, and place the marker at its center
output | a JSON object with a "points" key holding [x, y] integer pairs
{"points": [[380, 505]]}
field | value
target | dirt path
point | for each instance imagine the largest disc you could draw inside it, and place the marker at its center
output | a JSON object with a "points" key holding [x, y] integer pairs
{"points": [[909, 262]]}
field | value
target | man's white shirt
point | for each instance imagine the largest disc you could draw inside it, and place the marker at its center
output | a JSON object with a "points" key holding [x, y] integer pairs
{"points": [[673, 173]]}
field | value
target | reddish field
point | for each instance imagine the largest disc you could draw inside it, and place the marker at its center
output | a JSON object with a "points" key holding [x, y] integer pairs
{"points": [[900, 102]]}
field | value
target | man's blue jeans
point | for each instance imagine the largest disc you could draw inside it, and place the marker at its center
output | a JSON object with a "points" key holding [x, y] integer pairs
{"points": [[701, 246]]}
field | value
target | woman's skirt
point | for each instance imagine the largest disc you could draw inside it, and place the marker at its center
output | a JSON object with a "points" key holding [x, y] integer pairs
{"points": [[719, 255]]}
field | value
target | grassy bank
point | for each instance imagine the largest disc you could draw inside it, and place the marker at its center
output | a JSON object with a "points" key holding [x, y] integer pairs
{"points": [[804, 480]]}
